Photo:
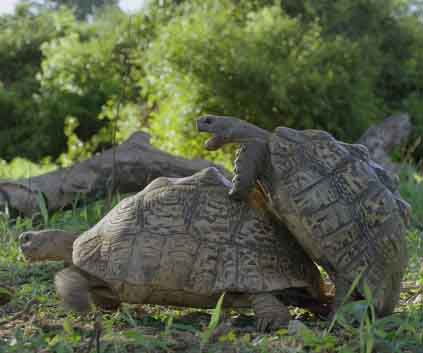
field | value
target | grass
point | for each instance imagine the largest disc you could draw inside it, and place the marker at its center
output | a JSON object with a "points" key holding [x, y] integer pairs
{"points": [[34, 321]]}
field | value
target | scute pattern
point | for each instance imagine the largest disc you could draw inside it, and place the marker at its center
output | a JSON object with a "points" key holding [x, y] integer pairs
{"points": [[343, 208], [338, 205], [187, 237]]}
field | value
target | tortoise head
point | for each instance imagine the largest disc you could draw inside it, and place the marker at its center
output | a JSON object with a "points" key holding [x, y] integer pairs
{"points": [[47, 245], [228, 130]]}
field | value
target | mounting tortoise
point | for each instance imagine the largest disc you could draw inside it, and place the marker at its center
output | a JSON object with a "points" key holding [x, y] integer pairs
{"points": [[343, 208], [183, 241]]}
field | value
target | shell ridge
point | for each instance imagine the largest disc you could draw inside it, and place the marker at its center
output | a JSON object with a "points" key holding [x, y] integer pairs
{"points": [[191, 206], [367, 235], [327, 174]]}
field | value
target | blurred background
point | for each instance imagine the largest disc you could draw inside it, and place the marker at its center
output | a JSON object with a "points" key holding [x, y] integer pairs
{"points": [[77, 76], [80, 76]]}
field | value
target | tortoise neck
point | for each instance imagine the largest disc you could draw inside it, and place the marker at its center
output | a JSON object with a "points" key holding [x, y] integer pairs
{"points": [[253, 133], [64, 252]]}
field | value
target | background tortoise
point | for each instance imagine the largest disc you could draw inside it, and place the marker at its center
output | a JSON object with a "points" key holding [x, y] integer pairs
{"points": [[185, 242], [344, 209]]}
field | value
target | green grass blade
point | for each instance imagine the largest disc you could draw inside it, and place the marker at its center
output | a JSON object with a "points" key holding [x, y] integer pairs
{"points": [[214, 321], [42, 204], [350, 291]]}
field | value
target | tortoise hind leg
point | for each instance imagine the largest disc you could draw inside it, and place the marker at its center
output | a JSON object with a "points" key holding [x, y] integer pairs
{"points": [[270, 312], [73, 289], [387, 297], [342, 286], [78, 291]]}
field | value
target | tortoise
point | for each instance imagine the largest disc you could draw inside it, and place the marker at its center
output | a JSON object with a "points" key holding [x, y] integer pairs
{"points": [[344, 209], [183, 242]]}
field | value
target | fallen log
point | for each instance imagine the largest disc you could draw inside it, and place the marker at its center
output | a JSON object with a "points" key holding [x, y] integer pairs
{"points": [[383, 138], [130, 166], [126, 168]]}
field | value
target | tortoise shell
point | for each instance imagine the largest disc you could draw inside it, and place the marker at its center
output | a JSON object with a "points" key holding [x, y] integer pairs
{"points": [[185, 241], [340, 207]]}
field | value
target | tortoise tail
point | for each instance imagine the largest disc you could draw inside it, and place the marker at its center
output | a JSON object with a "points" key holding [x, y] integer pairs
{"points": [[322, 305], [73, 289], [326, 295]]}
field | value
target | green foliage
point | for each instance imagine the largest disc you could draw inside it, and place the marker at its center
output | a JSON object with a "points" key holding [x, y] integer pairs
{"points": [[82, 8], [319, 343], [82, 86], [214, 321], [260, 65], [87, 81], [411, 188], [338, 66], [394, 333], [415, 250], [74, 84], [22, 168], [23, 131]]}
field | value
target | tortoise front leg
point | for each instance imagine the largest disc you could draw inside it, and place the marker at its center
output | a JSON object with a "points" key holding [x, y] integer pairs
{"points": [[73, 289], [79, 290], [104, 298], [270, 312], [386, 296], [249, 163]]}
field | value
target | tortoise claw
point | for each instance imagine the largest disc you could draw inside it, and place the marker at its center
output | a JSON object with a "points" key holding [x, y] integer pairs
{"points": [[262, 324], [266, 324], [271, 314]]}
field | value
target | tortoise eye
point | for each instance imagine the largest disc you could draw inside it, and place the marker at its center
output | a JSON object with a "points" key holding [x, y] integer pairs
{"points": [[208, 121]]}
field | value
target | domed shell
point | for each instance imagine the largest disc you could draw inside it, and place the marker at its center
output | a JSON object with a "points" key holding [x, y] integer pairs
{"points": [[186, 235], [338, 205]]}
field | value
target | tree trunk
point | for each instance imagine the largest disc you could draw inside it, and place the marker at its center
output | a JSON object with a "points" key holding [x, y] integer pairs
{"points": [[382, 139]]}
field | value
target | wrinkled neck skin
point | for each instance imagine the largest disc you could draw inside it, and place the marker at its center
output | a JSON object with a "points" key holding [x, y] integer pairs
{"points": [[64, 252], [60, 246], [257, 139], [259, 155], [248, 133], [230, 130]]}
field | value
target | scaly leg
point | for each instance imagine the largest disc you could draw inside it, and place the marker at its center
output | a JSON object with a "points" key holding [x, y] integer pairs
{"points": [[104, 298], [387, 295], [249, 163], [270, 312], [73, 289]]}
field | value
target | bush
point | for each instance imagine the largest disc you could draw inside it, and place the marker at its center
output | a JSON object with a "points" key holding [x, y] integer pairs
{"points": [[338, 66], [89, 81], [23, 131], [64, 81], [22, 168], [263, 66]]}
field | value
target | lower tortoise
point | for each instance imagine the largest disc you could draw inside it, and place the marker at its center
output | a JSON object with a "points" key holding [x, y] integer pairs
{"points": [[183, 241]]}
